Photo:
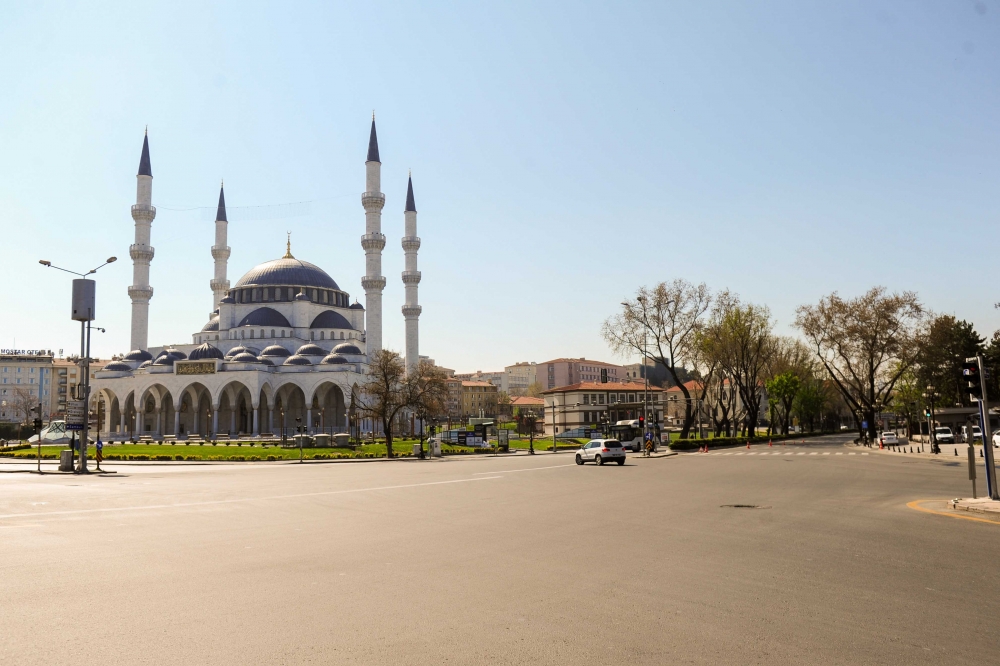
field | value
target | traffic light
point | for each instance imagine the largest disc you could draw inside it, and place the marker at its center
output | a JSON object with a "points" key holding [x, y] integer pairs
{"points": [[927, 412], [642, 422], [604, 375], [970, 373]]}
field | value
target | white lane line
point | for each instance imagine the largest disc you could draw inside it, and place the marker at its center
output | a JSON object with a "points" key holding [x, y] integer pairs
{"points": [[182, 505], [840, 453], [800, 453], [826, 453], [527, 469], [752, 454], [864, 454], [814, 454], [789, 453], [852, 453]]}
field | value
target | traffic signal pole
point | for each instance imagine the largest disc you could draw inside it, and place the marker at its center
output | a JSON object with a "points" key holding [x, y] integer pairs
{"points": [[974, 366]]}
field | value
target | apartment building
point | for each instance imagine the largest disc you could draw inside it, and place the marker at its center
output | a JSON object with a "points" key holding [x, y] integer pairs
{"points": [[518, 377], [25, 378], [471, 399], [587, 404], [566, 371]]}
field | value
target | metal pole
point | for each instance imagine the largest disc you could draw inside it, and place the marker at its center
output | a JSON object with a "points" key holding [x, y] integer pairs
{"points": [[984, 420]]}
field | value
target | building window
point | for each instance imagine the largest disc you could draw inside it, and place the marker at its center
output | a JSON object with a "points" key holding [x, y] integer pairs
{"points": [[586, 398], [272, 332], [251, 334], [282, 333]]}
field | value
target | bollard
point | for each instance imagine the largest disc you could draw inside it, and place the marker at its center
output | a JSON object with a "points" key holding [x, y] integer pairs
{"points": [[911, 449], [956, 450]]}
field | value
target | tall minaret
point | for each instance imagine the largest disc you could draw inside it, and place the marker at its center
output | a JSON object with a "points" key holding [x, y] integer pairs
{"points": [[411, 278], [220, 252], [373, 243], [142, 252]]}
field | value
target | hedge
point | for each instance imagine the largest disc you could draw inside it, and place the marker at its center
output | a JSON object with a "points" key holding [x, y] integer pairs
{"points": [[723, 442]]}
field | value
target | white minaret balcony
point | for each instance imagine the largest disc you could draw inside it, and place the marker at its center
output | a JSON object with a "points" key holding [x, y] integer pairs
{"points": [[411, 243], [141, 253], [412, 311], [137, 293], [411, 277], [219, 285], [373, 241], [221, 253], [143, 213], [373, 201], [370, 282]]}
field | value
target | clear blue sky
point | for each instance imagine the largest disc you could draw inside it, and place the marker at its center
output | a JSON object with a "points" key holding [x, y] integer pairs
{"points": [[562, 156]]}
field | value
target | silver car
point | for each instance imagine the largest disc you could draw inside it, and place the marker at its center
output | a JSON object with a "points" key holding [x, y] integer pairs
{"points": [[601, 451]]}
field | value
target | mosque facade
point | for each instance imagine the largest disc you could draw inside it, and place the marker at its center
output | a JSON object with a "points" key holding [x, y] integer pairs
{"points": [[284, 346]]}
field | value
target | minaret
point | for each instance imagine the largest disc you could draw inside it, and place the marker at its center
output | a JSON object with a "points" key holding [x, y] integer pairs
{"points": [[142, 252], [220, 252], [373, 243], [411, 278]]}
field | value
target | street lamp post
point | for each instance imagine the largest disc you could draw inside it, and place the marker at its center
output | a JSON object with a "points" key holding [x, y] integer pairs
{"points": [[931, 395], [84, 302]]}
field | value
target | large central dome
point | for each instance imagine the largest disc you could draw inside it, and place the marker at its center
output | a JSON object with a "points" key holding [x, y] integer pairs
{"points": [[287, 271]]}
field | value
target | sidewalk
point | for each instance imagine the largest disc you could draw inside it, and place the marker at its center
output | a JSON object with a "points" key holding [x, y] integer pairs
{"points": [[949, 452], [981, 505]]}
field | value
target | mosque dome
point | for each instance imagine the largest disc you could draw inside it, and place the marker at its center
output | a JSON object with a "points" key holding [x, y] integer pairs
{"points": [[212, 325], [164, 359], [239, 350], [330, 319], [177, 354], [286, 271], [357, 306], [243, 357], [263, 360], [265, 317], [334, 359], [310, 350], [297, 360], [138, 355], [205, 351], [145, 364], [276, 350], [117, 366], [347, 348]]}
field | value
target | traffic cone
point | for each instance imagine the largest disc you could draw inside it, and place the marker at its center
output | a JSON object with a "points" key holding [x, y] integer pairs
{"points": [[769, 443], [748, 444]]}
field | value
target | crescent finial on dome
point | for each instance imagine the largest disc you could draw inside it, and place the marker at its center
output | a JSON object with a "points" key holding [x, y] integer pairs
{"points": [[288, 247]]}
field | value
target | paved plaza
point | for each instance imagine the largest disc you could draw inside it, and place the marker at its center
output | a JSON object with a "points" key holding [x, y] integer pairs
{"points": [[502, 560]]}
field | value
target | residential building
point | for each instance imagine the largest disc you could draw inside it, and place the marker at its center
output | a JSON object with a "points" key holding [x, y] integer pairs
{"points": [[24, 373], [495, 378], [566, 371], [518, 377], [471, 399], [654, 370], [588, 404], [67, 374]]}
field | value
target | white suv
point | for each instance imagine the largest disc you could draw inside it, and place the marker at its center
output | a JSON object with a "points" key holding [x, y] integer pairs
{"points": [[600, 451]]}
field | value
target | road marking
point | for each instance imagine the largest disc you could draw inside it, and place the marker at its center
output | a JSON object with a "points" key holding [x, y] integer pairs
{"points": [[814, 454], [527, 469], [915, 504], [840, 453], [800, 453], [826, 453], [182, 505]]}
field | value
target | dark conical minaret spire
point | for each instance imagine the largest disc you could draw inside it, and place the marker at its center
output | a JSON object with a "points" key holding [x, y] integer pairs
{"points": [[221, 214], [144, 168], [373, 144], [410, 206]]}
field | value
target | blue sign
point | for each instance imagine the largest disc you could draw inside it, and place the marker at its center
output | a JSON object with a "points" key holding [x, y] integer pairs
{"points": [[864, 425]]}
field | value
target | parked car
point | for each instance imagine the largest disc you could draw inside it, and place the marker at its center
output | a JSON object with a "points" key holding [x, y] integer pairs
{"points": [[601, 451], [977, 434], [996, 440], [890, 439], [943, 435]]}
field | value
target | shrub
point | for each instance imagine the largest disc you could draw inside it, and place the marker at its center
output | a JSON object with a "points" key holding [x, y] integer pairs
{"points": [[162, 457], [240, 458], [178, 457], [272, 458]]}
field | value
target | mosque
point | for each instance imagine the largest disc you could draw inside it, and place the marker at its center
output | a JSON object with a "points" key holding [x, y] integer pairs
{"points": [[282, 347]]}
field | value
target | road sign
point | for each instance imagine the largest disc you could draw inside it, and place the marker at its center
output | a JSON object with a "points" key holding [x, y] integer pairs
{"points": [[864, 425], [74, 415]]}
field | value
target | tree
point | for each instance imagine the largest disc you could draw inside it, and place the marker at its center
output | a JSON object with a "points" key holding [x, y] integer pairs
{"points": [[389, 391], [906, 398], [865, 344], [661, 324], [948, 343], [810, 400], [534, 390], [23, 403], [739, 336], [781, 392]]}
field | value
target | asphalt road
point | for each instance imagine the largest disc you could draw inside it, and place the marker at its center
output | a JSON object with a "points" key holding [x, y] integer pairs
{"points": [[500, 561]]}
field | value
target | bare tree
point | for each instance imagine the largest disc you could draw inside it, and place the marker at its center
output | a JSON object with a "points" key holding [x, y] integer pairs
{"points": [[739, 336], [389, 391], [865, 344], [24, 401], [661, 324]]}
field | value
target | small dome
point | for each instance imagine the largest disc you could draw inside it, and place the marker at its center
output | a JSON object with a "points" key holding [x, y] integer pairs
{"points": [[276, 350], [212, 325], [357, 306], [301, 297], [263, 360], [145, 364], [265, 317], [227, 299], [311, 350], [240, 349], [177, 354], [164, 359], [297, 360], [117, 366], [138, 355], [205, 351], [330, 319], [347, 348], [334, 359], [244, 357]]}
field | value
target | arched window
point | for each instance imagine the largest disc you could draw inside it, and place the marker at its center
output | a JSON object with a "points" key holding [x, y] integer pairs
{"points": [[321, 334], [243, 334], [282, 333], [315, 296], [262, 334], [272, 332], [216, 336], [341, 335], [251, 334], [312, 335]]}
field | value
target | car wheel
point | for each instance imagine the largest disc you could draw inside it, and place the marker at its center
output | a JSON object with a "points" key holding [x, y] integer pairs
{"points": [[599, 460], [579, 460], [621, 461]]}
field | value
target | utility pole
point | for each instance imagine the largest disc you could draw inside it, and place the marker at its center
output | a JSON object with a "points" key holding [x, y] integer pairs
{"points": [[974, 374]]}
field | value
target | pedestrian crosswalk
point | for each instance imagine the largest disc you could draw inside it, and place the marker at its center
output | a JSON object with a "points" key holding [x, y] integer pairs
{"points": [[782, 453]]}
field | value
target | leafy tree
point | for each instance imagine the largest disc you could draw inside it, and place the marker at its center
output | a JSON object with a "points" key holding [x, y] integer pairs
{"points": [[781, 391], [661, 324], [389, 391], [534, 390], [907, 397], [948, 343], [865, 344], [810, 400]]}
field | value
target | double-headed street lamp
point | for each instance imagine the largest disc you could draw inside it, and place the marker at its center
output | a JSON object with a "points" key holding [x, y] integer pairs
{"points": [[931, 395], [84, 304]]}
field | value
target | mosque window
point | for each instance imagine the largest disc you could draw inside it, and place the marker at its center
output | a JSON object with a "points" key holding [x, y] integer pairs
{"points": [[246, 295], [251, 334], [262, 333], [267, 294], [282, 334], [315, 296], [341, 335], [242, 334], [272, 332], [326, 297]]}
